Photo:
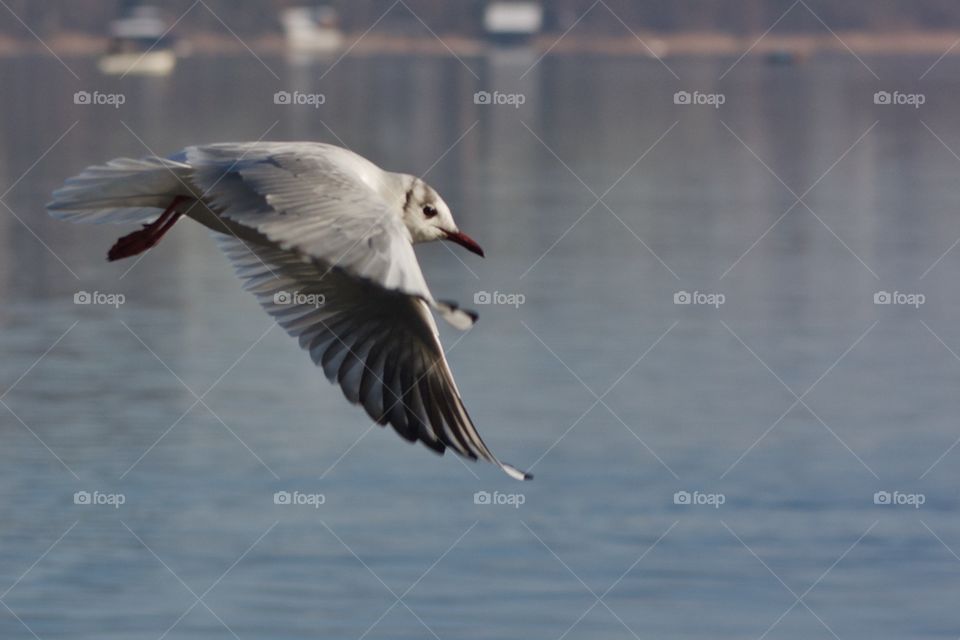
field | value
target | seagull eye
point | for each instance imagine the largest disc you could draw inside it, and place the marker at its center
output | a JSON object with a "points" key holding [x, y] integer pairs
{"points": [[429, 211]]}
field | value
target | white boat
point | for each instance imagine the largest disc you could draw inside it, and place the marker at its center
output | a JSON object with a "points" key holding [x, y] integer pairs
{"points": [[312, 29], [511, 22], [154, 63], [139, 44]]}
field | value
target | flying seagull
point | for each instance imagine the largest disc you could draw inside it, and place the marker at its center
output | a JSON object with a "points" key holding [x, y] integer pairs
{"points": [[324, 239]]}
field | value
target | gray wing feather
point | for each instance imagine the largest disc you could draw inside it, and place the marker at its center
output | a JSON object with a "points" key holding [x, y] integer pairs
{"points": [[380, 346]]}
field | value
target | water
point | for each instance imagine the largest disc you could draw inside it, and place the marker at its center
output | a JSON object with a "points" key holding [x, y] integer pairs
{"points": [[399, 549]]}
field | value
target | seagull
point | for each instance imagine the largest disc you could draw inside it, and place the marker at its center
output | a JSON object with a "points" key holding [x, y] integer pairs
{"points": [[324, 239]]}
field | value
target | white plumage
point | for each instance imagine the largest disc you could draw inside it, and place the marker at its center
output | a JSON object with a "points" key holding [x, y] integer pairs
{"points": [[324, 239]]}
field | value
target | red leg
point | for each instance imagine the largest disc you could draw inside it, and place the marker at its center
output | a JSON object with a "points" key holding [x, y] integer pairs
{"points": [[139, 241]]}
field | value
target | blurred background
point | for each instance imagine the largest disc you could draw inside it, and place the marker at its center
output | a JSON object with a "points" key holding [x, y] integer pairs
{"points": [[718, 322], [741, 17]]}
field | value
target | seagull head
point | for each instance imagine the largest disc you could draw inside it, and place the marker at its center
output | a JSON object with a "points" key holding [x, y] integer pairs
{"points": [[428, 217]]}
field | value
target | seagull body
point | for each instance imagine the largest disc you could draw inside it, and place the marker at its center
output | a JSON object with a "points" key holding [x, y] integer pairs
{"points": [[324, 239]]}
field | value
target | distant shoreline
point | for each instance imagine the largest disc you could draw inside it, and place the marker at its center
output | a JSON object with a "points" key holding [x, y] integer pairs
{"points": [[646, 44]]}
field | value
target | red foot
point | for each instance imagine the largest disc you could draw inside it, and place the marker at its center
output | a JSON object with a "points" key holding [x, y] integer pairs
{"points": [[139, 241]]}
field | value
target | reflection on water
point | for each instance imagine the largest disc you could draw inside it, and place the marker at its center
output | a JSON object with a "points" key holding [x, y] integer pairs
{"points": [[796, 400]]}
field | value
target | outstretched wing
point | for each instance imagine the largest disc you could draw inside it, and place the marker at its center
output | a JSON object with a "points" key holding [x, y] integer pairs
{"points": [[321, 201], [380, 345]]}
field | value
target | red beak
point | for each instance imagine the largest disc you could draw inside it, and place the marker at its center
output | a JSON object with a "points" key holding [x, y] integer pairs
{"points": [[464, 241]]}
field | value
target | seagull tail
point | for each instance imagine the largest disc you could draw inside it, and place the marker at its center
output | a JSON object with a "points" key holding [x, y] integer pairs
{"points": [[123, 190]]}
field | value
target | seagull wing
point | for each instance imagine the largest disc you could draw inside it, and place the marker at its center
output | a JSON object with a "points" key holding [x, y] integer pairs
{"points": [[380, 345], [320, 201]]}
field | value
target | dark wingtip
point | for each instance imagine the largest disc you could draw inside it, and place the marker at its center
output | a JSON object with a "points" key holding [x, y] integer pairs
{"points": [[515, 473]]}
